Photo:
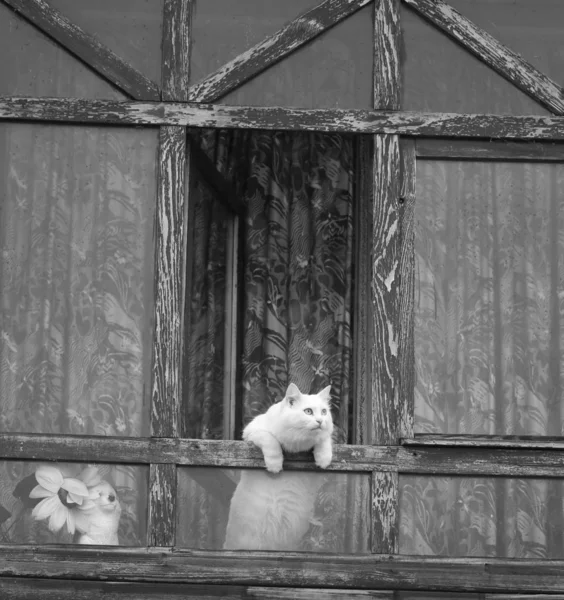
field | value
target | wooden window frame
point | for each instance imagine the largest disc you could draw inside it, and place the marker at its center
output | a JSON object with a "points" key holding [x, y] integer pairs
{"points": [[384, 390]]}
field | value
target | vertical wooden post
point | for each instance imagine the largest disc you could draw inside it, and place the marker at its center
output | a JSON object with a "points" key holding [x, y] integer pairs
{"points": [[162, 505], [407, 286], [388, 411], [385, 511], [175, 76]]}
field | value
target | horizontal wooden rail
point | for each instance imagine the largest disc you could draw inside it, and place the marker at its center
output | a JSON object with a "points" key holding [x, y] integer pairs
{"points": [[288, 569], [243, 117], [449, 149], [430, 459], [487, 441], [54, 589]]}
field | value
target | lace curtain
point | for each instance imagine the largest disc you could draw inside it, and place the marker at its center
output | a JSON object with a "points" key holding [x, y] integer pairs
{"points": [[489, 335]]}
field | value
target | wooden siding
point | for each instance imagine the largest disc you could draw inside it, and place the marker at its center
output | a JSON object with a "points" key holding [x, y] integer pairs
{"points": [[292, 36], [87, 48], [162, 505], [175, 75], [493, 53]]}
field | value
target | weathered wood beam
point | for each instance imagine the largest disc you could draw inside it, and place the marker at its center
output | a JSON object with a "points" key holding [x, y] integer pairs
{"points": [[502, 59], [290, 569], [407, 286], [449, 149], [169, 284], [175, 76], [12, 588], [387, 40], [488, 461], [87, 48], [385, 513], [442, 125], [488, 441], [161, 525], [292, 36], [385, 283]]}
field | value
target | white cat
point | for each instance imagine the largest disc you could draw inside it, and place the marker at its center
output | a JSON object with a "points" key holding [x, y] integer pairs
{"points": [[274, 512], [98, 521], [297, 423]]}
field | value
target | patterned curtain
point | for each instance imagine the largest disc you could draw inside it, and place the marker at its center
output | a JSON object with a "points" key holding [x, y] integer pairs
{"points": [[76, 221], [488, 334]]}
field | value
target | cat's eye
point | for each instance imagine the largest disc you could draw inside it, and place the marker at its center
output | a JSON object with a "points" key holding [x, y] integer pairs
{"points": [[308, 411], [324, 411]]}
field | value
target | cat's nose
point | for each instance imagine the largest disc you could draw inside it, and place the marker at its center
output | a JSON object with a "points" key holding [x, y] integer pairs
{"points": [[111, 497], [319, 421]]}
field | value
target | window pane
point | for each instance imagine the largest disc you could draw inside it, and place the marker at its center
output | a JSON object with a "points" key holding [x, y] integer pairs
{"points": [[72, 503], [296, 265], [132, 29], [440, 76], [489, 327], [532, 28], [334, 70], [458, 516], [254, 510], [33, 65], [76, 273]]}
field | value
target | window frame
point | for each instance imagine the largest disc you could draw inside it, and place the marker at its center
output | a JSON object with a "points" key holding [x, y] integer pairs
{"points": [[387, 447]]}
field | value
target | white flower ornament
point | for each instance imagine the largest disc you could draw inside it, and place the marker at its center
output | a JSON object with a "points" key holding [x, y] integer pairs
{"points": [[58, 494]]}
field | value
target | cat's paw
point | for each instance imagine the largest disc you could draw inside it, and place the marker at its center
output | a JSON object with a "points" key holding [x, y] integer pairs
{"points": [[274, 465], [323, 460]]}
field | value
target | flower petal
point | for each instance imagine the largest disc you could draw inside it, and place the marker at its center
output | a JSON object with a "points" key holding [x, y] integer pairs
{"points": [[76, 499], [49, 477], [70, 521], [40, 492], [58, 518], [75, 487], [90, 476], [46, 507]]}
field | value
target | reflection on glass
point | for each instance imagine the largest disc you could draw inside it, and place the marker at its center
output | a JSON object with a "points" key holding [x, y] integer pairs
{"points": [[76, 269], [457, 516], [295, 192], [332, 71], [34, 65], [64, 503], [253, 509], [441, 76], [490, 283], [132, 29]]}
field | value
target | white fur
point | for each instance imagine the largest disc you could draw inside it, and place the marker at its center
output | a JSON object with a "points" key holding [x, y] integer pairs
{"points": [[287, 425], [98, 521]]}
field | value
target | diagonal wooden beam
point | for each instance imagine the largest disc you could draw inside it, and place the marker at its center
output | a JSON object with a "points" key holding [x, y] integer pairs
{"points": [[271, 50], [502, 59], [87, 48]]}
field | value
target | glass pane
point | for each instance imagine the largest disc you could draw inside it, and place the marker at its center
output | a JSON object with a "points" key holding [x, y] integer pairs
{"points": [[76, 273], [489, 287], [33, 65], [132, 29], [334, 70], [296, 191], [532, 28], [251, 509], [440, 76], [72, 503], [458, 516]]}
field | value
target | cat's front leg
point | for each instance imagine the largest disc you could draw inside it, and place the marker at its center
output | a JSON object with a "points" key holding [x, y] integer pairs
{"points": [[271, 449], [323, 453]]}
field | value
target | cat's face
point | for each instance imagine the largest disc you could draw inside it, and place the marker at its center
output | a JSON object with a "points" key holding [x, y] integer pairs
{"points": [[104, 497], [311, 412]]}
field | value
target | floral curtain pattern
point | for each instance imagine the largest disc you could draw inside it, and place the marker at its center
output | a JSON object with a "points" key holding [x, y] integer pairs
{"points": [[488, 339], [76, 221], [298, 193]]}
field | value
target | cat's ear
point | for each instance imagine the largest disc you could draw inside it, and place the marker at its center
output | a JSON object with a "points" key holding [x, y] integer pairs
{"points": [[325, 394], [292, 394]]}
